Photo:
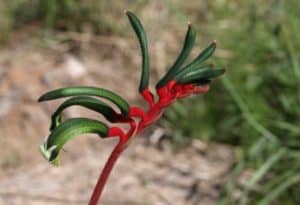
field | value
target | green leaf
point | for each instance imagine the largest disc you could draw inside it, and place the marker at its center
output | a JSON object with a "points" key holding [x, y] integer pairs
{"points": [[265, 168], [87, 102], [261, 172], [92, 91], [203, 74], [186, 50], [272, 195], [68, 130], [140, 32]]}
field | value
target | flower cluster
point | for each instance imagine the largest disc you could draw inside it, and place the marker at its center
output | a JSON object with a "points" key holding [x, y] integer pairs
{"points": [[179, 82]]}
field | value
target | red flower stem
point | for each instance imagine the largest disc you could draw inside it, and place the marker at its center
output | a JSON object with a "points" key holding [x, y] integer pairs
{"points": [[114, 131], [167, 95], [148, 96]]}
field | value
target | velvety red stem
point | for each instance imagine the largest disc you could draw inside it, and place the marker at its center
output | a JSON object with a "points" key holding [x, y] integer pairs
{"points": [[148, 96], [114, 131], [167, 95]]}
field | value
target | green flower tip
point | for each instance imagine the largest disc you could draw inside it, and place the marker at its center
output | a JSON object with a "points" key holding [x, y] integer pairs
{"points": [[47, 154]]}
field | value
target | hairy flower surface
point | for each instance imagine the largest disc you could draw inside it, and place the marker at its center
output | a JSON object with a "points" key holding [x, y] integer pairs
{"points": [[179, 82]]}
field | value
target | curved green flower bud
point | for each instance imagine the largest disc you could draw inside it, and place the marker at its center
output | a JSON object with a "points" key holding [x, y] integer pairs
{"points": [[65, 132], [186, 50], [87, 102], [204, 55], [198, 75], [190, 69], [200, 82], [92, 91], [140, 32]]}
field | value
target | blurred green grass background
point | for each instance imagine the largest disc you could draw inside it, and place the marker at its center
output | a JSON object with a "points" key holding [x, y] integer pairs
{"points": [[255, 107]]}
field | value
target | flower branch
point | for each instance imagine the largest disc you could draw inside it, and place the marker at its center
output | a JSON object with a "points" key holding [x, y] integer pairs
{"points": [[179, 82]]}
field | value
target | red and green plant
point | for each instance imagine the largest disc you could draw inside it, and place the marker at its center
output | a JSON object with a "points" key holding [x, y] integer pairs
{"points": [[179, 82]]}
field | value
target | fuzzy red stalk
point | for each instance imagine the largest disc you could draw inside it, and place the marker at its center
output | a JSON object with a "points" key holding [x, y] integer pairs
{"points": [[138, 120]]}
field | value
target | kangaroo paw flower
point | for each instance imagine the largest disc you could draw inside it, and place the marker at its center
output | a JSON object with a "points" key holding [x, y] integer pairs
{"points": [[178, 82]]}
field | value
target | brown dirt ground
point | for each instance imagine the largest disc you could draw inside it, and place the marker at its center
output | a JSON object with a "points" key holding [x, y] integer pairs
{"points": [[145, 174]]}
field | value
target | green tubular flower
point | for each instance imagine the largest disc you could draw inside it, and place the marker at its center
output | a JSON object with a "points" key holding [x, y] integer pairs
{"points": [[84, 101], [92, 91], [204, 55], [68, 130], [200, 82], [189, 69], [186, 50], [179, 82], [200, 75], [140, 32]]}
